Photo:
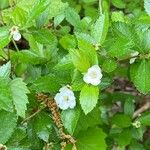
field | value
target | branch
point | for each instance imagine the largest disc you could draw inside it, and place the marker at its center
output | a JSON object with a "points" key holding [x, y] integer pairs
{"points": [[31, 116], [145, 107]]}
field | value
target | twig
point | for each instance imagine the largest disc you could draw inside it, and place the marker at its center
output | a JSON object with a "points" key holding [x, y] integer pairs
{"points": [[145, 107], [31, 116], [15, 45]]}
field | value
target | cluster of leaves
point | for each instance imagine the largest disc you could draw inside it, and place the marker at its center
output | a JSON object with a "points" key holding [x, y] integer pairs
{"points": [[61, 40]]}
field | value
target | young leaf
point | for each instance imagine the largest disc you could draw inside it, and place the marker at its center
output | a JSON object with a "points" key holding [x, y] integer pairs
{"points": [[80, 61], [100, 28], [19, 94], [92, 139], [5, 70], [68, 41], [89, 51], [88, 98], [70, 118], [7, 124], [19, 16]]}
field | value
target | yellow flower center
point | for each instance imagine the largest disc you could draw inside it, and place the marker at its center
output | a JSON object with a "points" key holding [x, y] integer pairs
{"points": [[66, 98], [93, 75]]}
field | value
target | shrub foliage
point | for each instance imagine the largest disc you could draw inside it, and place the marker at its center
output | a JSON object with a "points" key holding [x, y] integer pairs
{"points": [[74, 74]]}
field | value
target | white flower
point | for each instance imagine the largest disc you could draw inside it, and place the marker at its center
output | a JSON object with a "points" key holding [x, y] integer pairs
{"points": [[65, 98], [136, 124], [132, 60], [15, 33], [93, 76], [17, 36], [3, 147]]}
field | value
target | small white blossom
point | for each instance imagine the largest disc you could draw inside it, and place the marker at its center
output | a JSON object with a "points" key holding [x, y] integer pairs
{"points": [[93, 76], [17, 36], [136, 124], [132, 60], [15, 33], [65, 98]]}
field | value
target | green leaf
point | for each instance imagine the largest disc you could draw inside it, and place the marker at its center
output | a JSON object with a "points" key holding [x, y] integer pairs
{"points": [[124, 138], [145, 119], [70, 118], [42, 125], [79, 60], [8, 123], [118, 16], [100, 28], [89, 51], [4, 36], [37, 8], [129, 107], [109, 65], [119, 3], [68, 41], [58, 19], [19, 16], [121, 47], [73, 18], [147, 6], [18, 135], [5, 95], [121, 120], [142, 40], [48, 83], [140, 75], [136, 146], [77, 81], [137, 133], [5, 70], [4, 4], [27, 56], [19, 94], [44, 36], [88, 98], [90, 120], [86, 37], [57, 7], [92, 139]]}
